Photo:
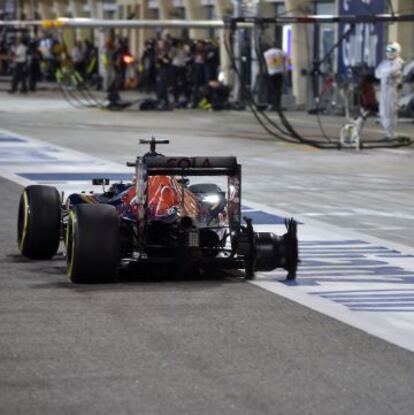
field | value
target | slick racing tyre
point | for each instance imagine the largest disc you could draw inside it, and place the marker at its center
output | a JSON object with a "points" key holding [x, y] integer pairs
{"points": [[39, 222], [93, 244]]}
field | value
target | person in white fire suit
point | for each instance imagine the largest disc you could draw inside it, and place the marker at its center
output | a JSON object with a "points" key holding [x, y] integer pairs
{"points": [[389, 72]]}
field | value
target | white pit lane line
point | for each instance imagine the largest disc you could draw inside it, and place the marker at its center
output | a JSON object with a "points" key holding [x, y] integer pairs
{"points": [[362, 281]]}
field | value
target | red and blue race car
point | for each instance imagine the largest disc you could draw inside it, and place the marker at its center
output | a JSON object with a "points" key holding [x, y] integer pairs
{"points": [[159, 220]]}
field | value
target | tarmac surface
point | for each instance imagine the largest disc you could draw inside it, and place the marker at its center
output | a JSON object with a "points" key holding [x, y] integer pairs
{"points": [[206, 346]]}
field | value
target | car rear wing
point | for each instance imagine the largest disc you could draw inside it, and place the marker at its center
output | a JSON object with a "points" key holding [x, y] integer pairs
{"points": [[187, 166]]}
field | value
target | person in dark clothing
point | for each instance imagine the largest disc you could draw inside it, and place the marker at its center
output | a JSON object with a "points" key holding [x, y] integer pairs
{"points": [[112, 58], [124, 50], [149, 67], [212, 61], [121, 49], [198, 72], [34, 60], [163, 78], [215, 96]]}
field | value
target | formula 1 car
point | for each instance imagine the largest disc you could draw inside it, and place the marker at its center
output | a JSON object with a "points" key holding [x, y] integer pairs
{"points": [[158, 220]]}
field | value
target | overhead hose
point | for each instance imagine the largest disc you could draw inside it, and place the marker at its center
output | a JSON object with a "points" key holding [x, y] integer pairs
{"points": [[289, 134], [76, 92], [66, 91], [247, 94], [325, 144], [80, 85], [286, 132]]}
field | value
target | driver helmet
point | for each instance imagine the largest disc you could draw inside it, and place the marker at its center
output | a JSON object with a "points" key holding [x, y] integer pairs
{"points": [[393, 50]]}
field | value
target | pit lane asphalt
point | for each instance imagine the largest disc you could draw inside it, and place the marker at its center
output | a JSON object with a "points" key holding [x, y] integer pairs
{"points": [[215, 346]]}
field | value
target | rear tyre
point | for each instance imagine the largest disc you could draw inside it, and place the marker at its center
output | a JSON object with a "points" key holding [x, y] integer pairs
{"points": [[93, 244], [39, 222]]}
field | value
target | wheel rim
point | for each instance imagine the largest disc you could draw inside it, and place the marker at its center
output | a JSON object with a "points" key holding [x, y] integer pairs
{"points": [[70, 244], [23, 220]]}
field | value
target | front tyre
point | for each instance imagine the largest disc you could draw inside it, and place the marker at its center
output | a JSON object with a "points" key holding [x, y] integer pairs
{"points": [[39, 222], [93, 244]]}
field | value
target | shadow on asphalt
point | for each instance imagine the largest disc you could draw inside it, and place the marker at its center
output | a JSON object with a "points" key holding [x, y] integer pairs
{"points": [[19, 259], [130, 281], [51, 274], [139, 284]]}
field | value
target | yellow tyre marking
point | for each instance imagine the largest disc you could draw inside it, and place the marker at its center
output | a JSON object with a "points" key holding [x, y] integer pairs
{"points": [[71, 226], [25, 220]]}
